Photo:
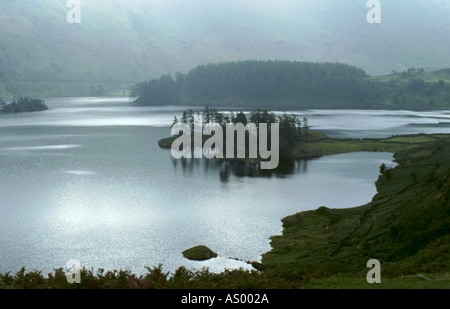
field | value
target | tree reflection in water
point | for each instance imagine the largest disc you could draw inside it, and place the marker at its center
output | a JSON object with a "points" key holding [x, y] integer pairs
{"points": [[238, 168]]}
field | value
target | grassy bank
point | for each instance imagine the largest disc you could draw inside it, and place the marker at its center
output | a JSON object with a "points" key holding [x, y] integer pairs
{"points": [[406, 225], [321, 145]]}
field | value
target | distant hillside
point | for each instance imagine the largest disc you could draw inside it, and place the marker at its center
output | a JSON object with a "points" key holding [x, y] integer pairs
{"points": [[121, 43], [406, 226], [414, 89], [301, 85]]}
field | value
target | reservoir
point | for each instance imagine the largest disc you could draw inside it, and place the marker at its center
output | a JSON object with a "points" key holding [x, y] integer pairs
{"points": [[86, 180]]}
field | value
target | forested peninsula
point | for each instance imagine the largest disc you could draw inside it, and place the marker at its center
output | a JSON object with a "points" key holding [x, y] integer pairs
{"points": [[299, 85]]}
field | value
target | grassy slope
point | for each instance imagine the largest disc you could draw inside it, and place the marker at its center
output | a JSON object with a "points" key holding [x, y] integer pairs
{"points": [[405, 226], [429, 77], [433, 95]]}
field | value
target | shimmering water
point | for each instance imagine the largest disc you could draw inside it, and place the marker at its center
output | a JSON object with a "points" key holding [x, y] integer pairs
{"points": [[87, 181]]}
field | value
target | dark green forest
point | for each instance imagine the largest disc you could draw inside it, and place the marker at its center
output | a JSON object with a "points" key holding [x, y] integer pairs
{"points": [[22, 105], [291, 84], [251, 83]]}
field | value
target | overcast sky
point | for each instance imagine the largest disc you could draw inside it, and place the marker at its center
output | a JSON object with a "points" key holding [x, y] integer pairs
{"points": [[147, 38]]}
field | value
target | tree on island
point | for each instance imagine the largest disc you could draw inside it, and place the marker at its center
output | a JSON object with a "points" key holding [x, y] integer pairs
{"points": [[292, 130], [23, 105]]}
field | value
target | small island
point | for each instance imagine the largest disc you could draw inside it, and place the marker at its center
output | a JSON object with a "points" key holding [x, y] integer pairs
{"points": [[292, 131], [199, 253], [22, 105], [297, 140]]}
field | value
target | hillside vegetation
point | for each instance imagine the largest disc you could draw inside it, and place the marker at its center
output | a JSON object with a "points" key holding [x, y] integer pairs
{"points": [[406, 226]]}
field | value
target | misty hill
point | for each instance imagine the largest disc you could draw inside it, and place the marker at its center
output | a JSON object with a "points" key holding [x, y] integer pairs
{"points": [[120, 43], [292, 84]]}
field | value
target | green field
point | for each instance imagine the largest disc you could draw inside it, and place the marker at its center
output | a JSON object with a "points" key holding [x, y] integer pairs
{"points": [[321, 145]]}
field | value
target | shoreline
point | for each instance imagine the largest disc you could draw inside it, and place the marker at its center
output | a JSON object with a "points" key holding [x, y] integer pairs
{"points": [[325, 241], [319, 145]]}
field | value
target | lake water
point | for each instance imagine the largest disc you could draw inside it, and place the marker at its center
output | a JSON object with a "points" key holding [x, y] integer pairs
{"points": [[86, 180]]}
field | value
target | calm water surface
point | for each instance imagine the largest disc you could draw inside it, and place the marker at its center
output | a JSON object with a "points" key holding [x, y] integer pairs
{"points": [[87, 181]]}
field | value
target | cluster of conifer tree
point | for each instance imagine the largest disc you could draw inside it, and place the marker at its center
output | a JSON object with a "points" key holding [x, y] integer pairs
{"points": [[290, 84], [22, 105], [292, 128], [259, 83]]}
